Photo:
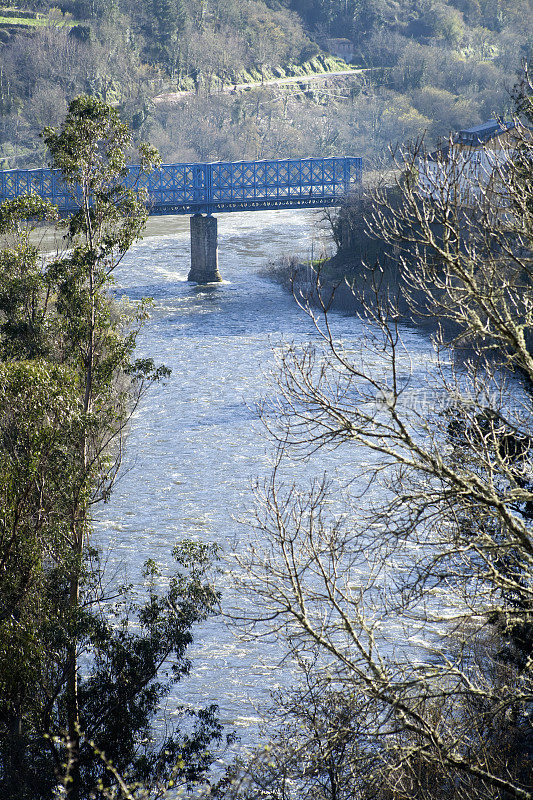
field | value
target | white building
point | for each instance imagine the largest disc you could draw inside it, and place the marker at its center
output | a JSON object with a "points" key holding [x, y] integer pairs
{"points": [[472, 164]]}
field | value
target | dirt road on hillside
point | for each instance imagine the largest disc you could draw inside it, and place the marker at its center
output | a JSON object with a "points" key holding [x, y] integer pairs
{"points": [[176, 97]]}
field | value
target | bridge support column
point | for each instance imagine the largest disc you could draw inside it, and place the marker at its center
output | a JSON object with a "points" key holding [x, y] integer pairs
{"points": [[204, 250]]}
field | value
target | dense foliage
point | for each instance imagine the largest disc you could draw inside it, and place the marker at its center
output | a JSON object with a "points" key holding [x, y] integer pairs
{"points": [[84, 663]]}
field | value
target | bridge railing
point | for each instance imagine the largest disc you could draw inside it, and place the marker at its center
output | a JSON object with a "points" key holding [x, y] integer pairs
{"points": [[212, 187]]}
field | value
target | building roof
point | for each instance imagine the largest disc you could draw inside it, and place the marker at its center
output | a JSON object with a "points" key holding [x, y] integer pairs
{"points": [[482, 133], [473, 137]]}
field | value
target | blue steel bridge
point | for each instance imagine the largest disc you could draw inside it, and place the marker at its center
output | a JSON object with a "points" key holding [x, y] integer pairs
{"points": [[208, 189], [211, 188]]}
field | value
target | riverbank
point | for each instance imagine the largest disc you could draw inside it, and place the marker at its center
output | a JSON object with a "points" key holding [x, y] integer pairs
{"points": [[346, 285]]}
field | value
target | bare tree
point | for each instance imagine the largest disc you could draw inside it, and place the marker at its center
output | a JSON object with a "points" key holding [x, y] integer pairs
{"points": [[411, 593]]}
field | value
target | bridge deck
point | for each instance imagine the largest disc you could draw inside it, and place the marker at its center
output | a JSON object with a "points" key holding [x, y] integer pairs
{"points": [[212, 188]]}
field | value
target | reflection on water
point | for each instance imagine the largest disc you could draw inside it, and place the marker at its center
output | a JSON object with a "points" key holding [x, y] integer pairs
{"points": [[195, 444]]}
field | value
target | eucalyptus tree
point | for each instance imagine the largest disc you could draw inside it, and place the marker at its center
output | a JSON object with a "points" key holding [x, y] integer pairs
{"points": [[70, 383], [90, 150]]}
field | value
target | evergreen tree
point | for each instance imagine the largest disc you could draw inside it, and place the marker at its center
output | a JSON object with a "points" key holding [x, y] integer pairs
{"points": [[168, 24], [68, 386]]}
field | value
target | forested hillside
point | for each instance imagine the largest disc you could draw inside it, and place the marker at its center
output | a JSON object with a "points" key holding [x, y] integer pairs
{"points": [[431, 66]]}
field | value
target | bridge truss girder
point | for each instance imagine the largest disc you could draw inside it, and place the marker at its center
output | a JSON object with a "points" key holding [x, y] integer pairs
{"points": [[218, 187]]}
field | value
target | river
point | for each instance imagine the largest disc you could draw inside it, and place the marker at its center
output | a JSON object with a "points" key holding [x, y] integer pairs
{"points": [[195, 444]]}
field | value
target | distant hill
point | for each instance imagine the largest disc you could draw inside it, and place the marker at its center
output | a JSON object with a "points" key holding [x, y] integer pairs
{"points": [[434, 66]]}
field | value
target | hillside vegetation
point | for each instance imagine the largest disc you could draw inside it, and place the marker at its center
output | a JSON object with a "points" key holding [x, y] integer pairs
{"points": [[432, 67]]}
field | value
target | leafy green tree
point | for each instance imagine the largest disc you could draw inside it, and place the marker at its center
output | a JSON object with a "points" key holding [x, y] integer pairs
{"points": [[166, 25], [90, 151], [124, 692], [69, 383], [24, 294]]}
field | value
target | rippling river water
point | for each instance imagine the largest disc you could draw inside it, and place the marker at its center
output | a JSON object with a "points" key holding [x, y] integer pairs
{"points": [[195, 444]]}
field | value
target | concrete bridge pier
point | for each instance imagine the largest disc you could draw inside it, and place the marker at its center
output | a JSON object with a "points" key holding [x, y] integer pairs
{"points": [[204, 250]]}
